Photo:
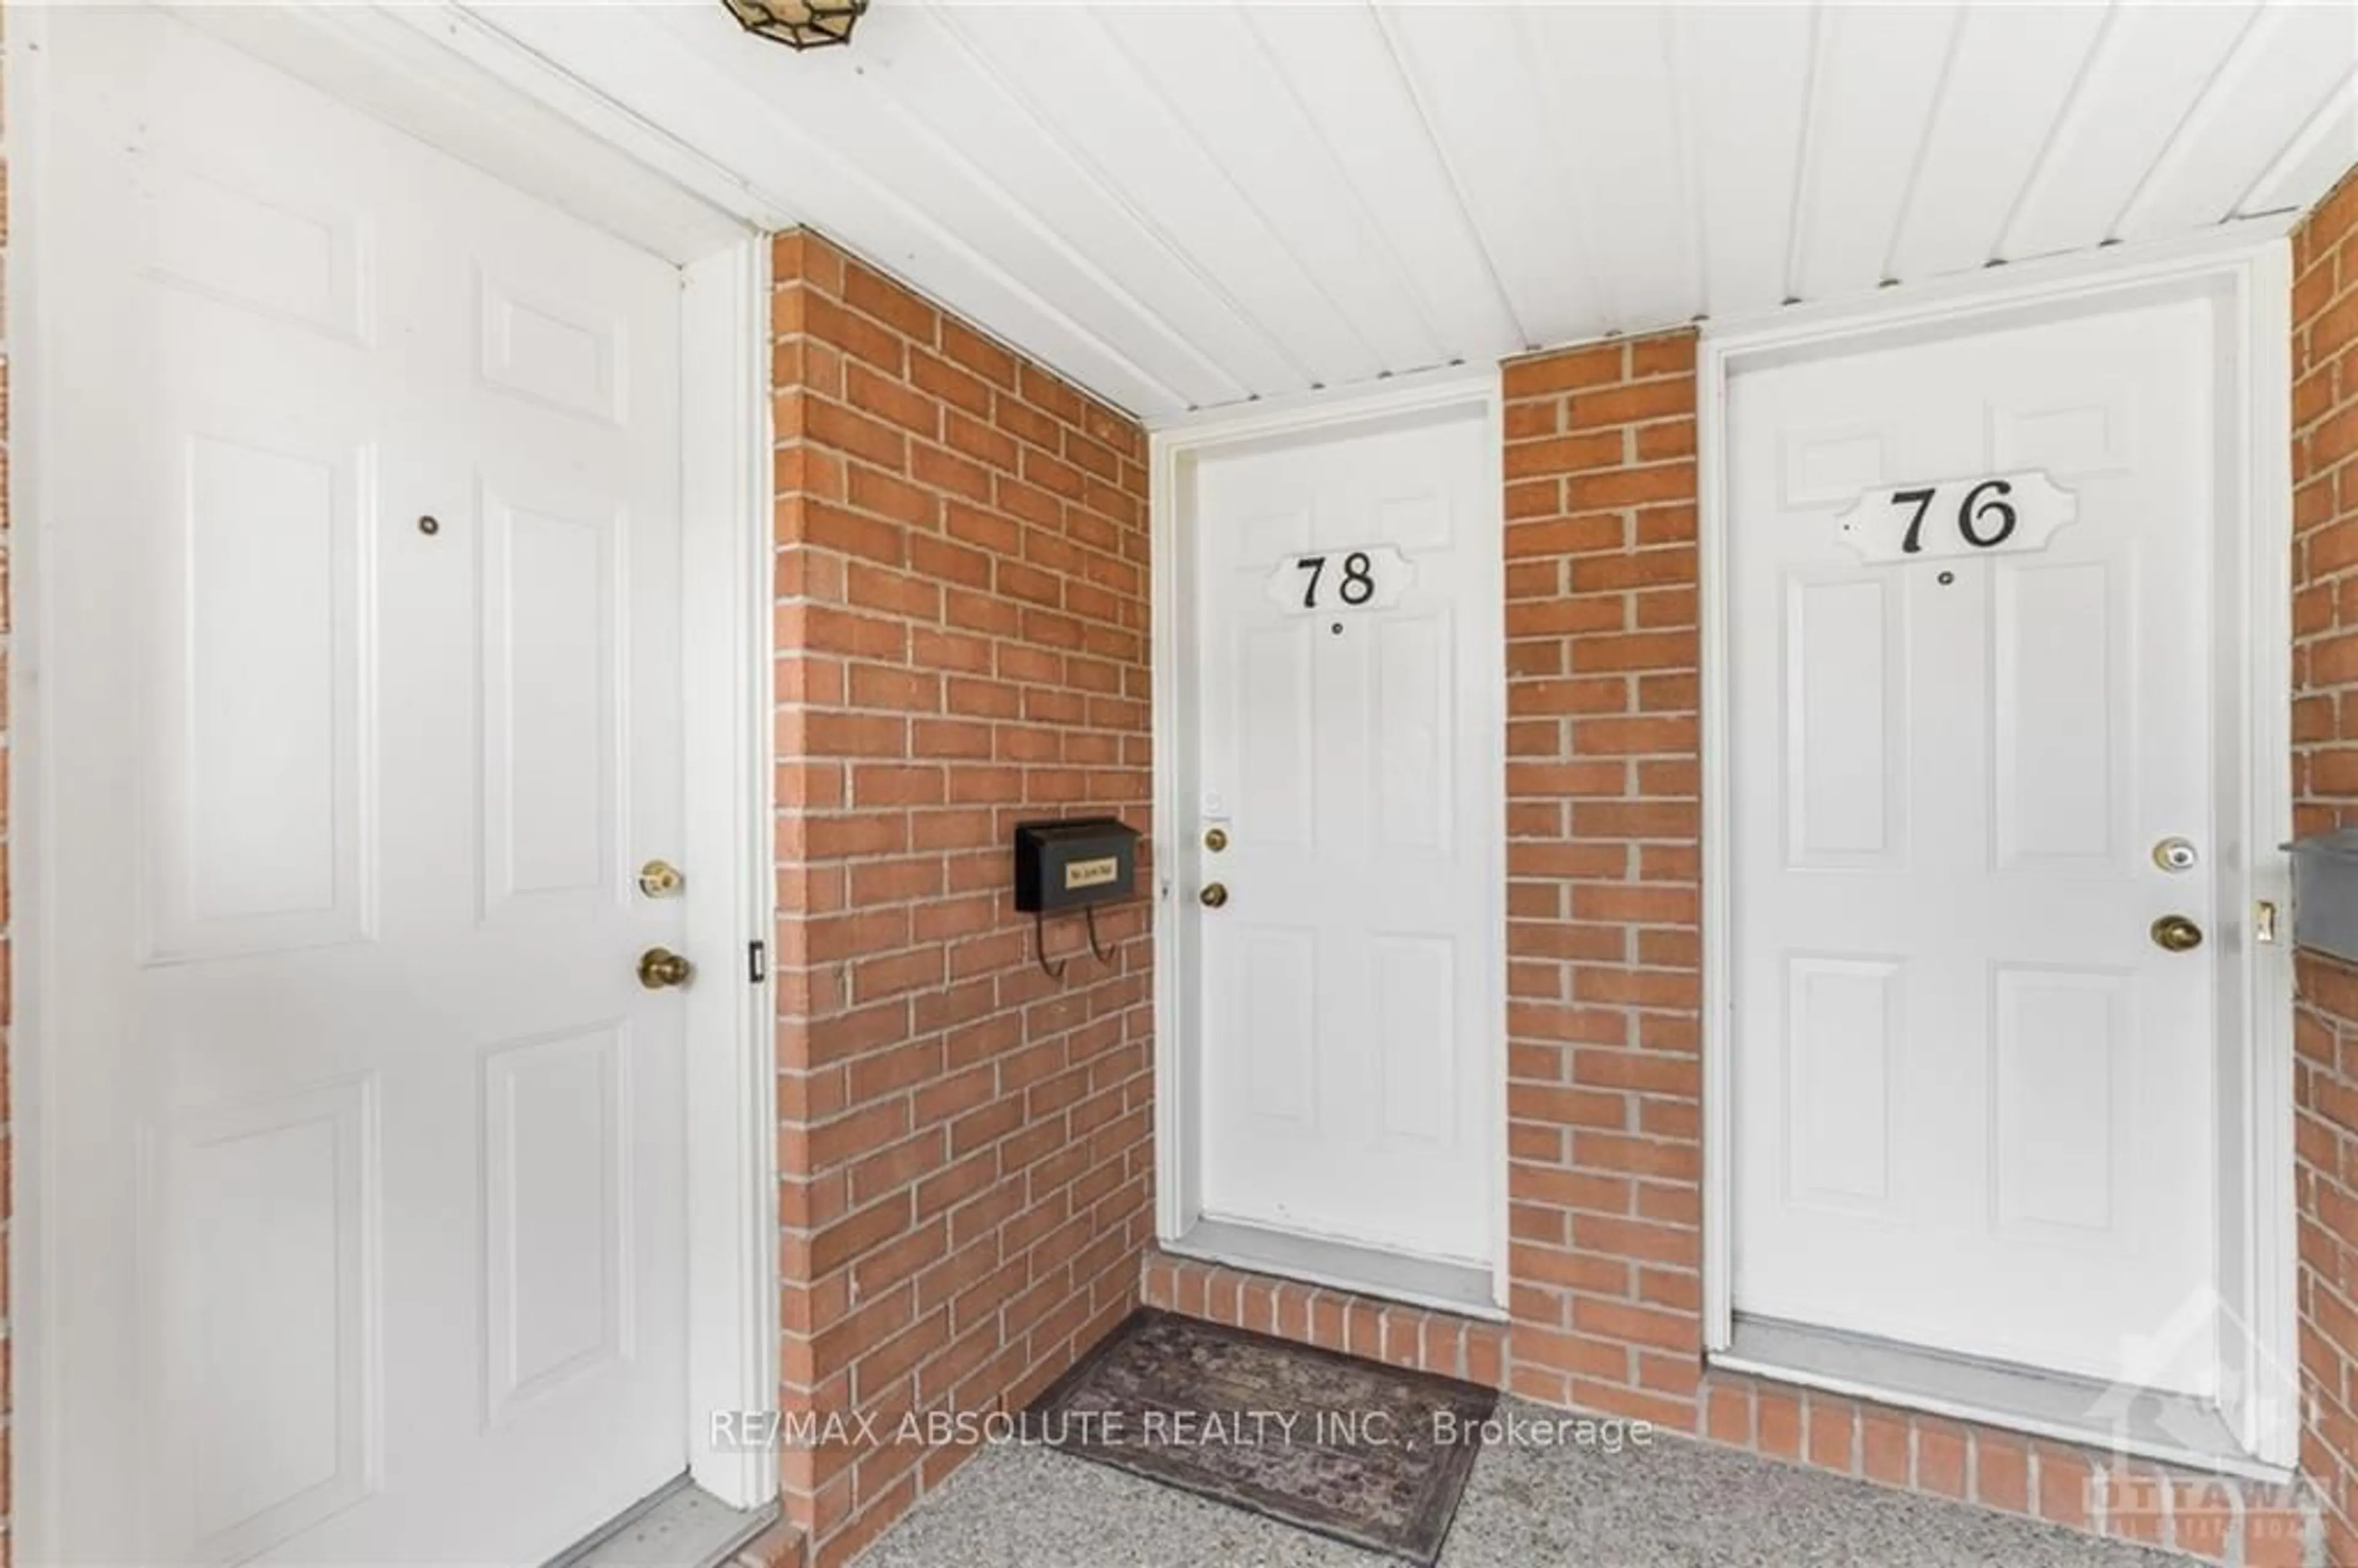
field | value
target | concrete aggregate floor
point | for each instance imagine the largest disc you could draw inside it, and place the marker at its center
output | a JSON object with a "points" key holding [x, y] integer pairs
{"points": [[1675, 1504]]}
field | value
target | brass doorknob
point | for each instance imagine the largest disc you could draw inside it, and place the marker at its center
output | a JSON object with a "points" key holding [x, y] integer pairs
{"points": [[1214, 895], [2176, 934], [660, 967]]}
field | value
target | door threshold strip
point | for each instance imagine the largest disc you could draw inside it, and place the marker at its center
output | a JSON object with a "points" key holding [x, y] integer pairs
{"points": [[1442, 1284], [680, 1525], [2150, 1424]]}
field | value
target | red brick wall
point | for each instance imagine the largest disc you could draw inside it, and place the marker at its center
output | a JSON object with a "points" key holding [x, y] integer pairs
{"points": [[1603, 817], [965, 1145], [1375, 1330], [2325, 795]]}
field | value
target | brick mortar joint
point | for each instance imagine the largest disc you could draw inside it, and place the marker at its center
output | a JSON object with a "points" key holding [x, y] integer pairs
{"points": [[991, 421], [1087, 401], [2325, 415]]}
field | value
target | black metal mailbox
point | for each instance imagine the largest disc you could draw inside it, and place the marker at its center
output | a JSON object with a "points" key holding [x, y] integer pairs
{"points": [[1075, 864]]}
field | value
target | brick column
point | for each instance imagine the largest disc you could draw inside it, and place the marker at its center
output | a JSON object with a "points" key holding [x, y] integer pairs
{"points": [[1604, 869], [2325, 795], [965, 1145]]}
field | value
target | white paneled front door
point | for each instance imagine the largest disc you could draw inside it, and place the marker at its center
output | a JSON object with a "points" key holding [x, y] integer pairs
{"points": [[1974, 1089], [358, 543], [1348, 731]]}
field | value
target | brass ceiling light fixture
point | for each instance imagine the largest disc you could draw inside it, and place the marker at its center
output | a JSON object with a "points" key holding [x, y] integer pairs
{"points": [[799, 24]]}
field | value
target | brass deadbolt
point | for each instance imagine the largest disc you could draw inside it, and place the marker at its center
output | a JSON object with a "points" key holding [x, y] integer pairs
{"points": [[1215, 840], [660, 879]]}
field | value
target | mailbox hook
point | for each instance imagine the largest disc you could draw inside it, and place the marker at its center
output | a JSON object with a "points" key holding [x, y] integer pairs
{"points": [[1054, 971]]}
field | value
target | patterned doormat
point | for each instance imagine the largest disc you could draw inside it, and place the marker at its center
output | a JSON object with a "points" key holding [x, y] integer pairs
{"points": [[1370, 1455]]}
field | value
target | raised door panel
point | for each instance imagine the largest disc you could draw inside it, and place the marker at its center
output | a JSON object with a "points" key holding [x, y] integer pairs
{"points": [[240, 236], [1274, 733], [1275, 1021], [1414, 730], [1410, 515], [556, 1231], [266, 1324], [2061, 1046], [1845, 1024], [1845, 776], [1825, 466], [552, 660], [258, 826], [2061, 717], [557, 354], [220, 210], [2071, 438], [1418, 1049]]}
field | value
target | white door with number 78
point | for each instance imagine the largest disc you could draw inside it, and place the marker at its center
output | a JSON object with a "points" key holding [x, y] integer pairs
{"points": [[1346, 722]]}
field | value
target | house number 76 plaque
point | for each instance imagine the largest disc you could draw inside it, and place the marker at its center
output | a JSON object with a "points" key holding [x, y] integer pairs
{"points": [[2006, 514]]}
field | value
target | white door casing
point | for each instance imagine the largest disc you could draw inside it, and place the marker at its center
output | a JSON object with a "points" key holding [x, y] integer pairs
{"points": [[1974, 1103], [1341, 1010], [363, 1148]]}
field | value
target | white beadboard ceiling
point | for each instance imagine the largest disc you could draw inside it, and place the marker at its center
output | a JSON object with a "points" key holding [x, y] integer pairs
{"points": [[1183, 206]]}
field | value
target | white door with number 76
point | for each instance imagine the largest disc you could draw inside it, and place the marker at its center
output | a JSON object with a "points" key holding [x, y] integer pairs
{"points": [[1974, 994]]}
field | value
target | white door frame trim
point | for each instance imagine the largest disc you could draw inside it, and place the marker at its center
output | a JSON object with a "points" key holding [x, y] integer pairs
{"points": [[1174, 445], [2249, 266], [725, 568], [725, 443]]}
